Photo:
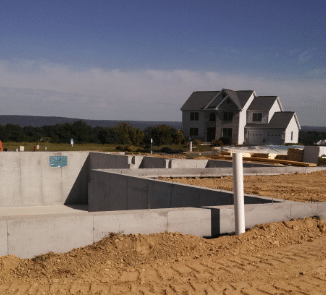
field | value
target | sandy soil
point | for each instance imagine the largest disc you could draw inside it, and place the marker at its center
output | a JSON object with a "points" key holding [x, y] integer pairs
{"points": [[300, 187], [276, 258]]}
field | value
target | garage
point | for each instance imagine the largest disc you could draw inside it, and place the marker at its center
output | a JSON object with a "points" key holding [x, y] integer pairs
{"points": [[274, 137], [255, 137]]}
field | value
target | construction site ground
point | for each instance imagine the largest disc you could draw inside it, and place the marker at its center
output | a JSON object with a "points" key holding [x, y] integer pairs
{"points": [[299, 187], [278, 258]]}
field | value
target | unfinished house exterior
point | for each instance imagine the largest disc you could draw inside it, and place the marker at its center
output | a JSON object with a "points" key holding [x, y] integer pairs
{"points": [[240, 115]]}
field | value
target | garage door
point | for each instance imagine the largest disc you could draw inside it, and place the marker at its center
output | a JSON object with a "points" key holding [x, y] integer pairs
{"points": [[255, 137], [274, 137]]}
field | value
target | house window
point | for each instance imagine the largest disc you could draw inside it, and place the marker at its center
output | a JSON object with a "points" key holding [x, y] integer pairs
{"points": [[212, 117], [227, 132], [291, 135], [257, 117], [228, 116], [193, 131], [194, 116]]}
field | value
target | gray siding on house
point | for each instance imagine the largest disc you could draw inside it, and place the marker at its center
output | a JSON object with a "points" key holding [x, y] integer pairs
{"points": [[187, 124]]}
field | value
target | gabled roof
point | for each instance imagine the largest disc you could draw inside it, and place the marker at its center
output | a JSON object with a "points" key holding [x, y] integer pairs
{"points": [[243, 96], [279, 120], [199, 100], [262, 103]]}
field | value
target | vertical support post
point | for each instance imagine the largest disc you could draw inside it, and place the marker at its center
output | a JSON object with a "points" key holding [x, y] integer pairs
{"points": [[151, 145], [238, 193], [190, 146]]}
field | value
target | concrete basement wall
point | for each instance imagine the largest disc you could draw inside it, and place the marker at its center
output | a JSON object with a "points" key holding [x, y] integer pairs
{"points": [[26, 179], [26, 237], [112, 161], [110, 191]]}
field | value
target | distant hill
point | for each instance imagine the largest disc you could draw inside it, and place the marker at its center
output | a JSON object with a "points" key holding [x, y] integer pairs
{"points": [[39, 121]]}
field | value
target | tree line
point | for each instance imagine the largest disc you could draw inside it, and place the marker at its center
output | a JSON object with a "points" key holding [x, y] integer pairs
{"points": [[123, 133], [311, 137]]}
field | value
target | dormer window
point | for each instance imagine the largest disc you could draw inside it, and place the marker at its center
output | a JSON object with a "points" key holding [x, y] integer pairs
{"points": [[212, 117], [223, 95], [257, 117], [228, 101], [228, 116]]}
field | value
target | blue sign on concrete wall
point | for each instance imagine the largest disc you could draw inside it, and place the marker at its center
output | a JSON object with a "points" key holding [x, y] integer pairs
{"points": [[58, 161]]}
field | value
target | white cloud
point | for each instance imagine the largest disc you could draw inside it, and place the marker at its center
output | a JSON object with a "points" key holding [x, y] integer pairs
{"points": [[41, 88]]}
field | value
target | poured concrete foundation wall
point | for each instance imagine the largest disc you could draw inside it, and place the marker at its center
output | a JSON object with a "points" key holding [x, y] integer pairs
{"points": [[36, 235], [109, 191], [109, 161], [312, 153], [112, 161], [27, 179]]}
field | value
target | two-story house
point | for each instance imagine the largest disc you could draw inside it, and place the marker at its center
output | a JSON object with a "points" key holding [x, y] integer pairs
{"points": [[241, 115]]}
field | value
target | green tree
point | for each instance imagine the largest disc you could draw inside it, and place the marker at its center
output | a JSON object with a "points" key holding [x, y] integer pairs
{"points": [[107, 136], [162, 134], [178, 137], [80, 131], [126, 133], [122, 132]]}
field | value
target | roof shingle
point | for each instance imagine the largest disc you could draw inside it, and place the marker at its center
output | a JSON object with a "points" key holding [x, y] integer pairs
{"points": [[198, 100], [262, 103], [279, 120]]}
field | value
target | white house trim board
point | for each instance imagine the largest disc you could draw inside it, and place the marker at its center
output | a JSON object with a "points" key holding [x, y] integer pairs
{"points": [[206, 108], [279, 102]]}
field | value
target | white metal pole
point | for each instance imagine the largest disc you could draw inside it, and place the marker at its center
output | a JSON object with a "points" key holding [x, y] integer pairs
{"points": [[238, 193], [151, 145]]}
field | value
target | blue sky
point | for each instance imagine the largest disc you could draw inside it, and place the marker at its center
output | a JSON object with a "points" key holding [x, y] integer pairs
{"points": [[140, 60]]}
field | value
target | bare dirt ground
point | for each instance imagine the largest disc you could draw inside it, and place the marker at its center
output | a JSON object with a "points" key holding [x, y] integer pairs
{"points": [[276, 258], [299, 187]]}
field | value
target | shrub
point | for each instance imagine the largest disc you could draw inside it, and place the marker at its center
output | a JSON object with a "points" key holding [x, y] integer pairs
{"points": [[218, 142], [167, 150], [178, 137], [226, 140], [196, 141]]}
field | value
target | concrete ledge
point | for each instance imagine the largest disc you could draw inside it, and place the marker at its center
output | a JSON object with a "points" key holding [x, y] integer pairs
{"points": [[26, 237], [130, 222], [3, 239], [192, 221], [30, 237]]}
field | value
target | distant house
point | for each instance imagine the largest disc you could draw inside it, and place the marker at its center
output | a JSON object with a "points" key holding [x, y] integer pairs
{"points": [[240, 115]]}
